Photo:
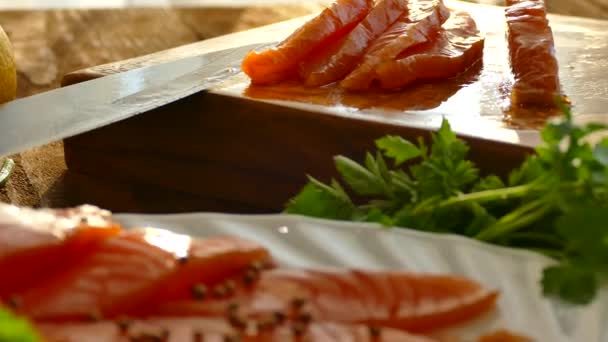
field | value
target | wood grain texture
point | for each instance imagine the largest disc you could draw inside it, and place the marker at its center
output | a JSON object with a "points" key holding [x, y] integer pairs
{"points": [[588, 8], [49, 44], [250, 158], [228, 147], [473, 101]]}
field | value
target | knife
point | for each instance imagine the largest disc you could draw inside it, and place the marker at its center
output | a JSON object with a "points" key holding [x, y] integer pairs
{"points": [[75, 109]]}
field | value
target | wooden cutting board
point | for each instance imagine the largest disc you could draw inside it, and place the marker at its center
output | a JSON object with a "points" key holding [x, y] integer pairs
{"points": [[248, 149]]}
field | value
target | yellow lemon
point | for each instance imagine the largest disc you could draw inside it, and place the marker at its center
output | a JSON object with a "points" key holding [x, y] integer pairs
{"points": [[8, 70]]}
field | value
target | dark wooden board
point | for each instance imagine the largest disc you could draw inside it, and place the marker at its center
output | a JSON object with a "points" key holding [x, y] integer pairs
{"points": [[50, 43], [252, 156]]}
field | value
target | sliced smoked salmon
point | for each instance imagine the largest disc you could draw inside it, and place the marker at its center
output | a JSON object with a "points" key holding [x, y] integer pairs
{"points": [[123, 271], [35, 244], [532, 54], [415, 303], [219, 329], [503, 336], [178, 288], [458, 46], [117, 268], [279, 63], [337, 61], [422, 20], [214, 267]]}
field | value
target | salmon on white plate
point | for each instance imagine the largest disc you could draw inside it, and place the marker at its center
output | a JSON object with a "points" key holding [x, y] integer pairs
{"points": [[225, 284]]}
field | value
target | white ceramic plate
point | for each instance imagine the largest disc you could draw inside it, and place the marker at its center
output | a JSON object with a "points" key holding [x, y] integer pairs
{"points": [[303, 242]]}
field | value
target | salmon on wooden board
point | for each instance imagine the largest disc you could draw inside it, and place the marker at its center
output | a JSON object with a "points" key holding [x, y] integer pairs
{"points": [[420, 24], [337, 61], [416, 303], [281, 62], [35, 244], [457, 47], [532, 54]]}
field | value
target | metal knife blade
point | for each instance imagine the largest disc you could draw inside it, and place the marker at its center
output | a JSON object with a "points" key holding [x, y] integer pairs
{"points": [[64, 112]]}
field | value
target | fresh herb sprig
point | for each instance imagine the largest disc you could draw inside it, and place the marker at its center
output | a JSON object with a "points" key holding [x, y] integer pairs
{"points": [[555, 203], [15, 329]]}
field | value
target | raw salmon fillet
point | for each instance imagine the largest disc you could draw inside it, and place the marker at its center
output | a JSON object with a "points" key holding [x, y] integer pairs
{"points": [[423, 19], [134, 270], [279, 63], [503, 336], [218, 264], [35, 244], [457, 47], [532, 54], [415, 303], [337, 61], [218, 329], [155, 285]]}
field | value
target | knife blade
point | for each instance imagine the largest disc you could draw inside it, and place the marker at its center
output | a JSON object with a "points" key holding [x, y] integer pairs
{"points": [[64, 112]]}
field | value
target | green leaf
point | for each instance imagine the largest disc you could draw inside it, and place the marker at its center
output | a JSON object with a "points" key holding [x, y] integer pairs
{"points": [[398, 148], [554, 133], [445, 132], [600, 152], [586, 233], [529, 171], [404, 186], [383, 168], [376, 215], [445, 172], [15, 329], [491, 182], [378, 167], [360, 179], [319, 200], [574, 285]]}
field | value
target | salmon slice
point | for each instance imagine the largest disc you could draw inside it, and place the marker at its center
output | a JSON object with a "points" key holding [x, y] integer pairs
{"points": [[457, 47], [214, 267], [532, 54], [133, 271], [279, 63], [415, 303], [503, 336], [36, 244], [219, 329], [337, 61], [423, 19], [117, 268]]}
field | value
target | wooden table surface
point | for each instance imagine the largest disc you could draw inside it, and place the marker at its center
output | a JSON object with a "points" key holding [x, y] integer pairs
{"points": [[50, 43]]}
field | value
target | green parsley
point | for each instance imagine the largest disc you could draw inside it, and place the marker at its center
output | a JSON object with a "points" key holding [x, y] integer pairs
{"points": [[555, 203], [14, 329]]}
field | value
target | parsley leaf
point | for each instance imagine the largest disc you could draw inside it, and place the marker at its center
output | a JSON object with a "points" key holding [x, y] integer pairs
{"points": [[322, 201], [445, 171], [359, 178], [573, 284], [398, 148], [585, 230], [14, 329]]}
